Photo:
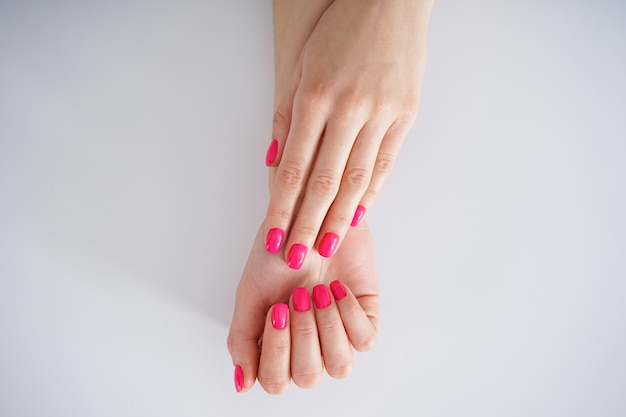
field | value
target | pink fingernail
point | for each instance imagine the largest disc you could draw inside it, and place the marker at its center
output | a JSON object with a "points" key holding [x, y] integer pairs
{"points": [[321, 297], [337, 289], [328, 244], [274, 240], [279, 316], [238, 378], [358, 215], [272, 151], [301, 299], [296, 256]]}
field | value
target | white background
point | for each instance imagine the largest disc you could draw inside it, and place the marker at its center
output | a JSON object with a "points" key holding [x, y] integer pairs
{"points": [[132, 180]]}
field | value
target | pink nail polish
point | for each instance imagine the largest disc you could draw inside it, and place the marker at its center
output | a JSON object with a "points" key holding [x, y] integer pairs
{"points": [[279, 316], [274, 240], [328, 245], [358, 215], [272, 151], [296, 256], [238, 378], [337, 289], [321, 297], [301, 299]]}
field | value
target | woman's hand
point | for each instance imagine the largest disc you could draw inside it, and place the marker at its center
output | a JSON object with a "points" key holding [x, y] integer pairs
{"points": [[338, 129], [281, 332]]}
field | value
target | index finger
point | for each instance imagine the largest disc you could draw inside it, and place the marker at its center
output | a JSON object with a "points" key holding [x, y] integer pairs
{"points": [[299, 152]]}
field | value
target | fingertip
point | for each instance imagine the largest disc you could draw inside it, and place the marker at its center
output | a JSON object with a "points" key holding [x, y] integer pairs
{"points": [[340, 371], [245, 356], [296, 256], [272, 152], [360, 326], [274, 240], [280, 315], [300, 299], [274, 373], [238, 377], [358, 216], [307, 381], [328, 244], [338, 290], [321, 297]]}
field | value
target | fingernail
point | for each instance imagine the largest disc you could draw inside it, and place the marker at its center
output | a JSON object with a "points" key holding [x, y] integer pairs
{"points": [[274, 240], [321, 297], [279, 316], [296, 256], [328, 244], [272, 151], [301, 300], [337, 289], [358, 215], [238, 378]]}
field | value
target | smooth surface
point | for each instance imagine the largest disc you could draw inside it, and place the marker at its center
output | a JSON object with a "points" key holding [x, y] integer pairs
{"points": [[132, 180]]}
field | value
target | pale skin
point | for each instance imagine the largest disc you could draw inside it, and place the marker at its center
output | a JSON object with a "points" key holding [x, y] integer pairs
{"points": [[348, 78]]}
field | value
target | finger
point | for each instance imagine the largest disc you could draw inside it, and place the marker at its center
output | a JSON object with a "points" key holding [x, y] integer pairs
{"points": [[386, 159], [323, 184], [361, 328], [336, 350], [243, 338], [355, 181], [307, 125], [282, 120], [306, 356], [274, 373]]}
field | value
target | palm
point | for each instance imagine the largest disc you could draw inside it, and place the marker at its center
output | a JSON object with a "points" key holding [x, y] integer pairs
{"points": [[267, 280]]}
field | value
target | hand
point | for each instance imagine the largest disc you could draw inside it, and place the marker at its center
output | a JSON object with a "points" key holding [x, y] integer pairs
{"points": [[296, 351], [341, 121]]}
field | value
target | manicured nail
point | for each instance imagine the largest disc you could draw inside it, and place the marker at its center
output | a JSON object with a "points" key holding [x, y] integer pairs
{"points": [[279, 316], [238, 378], [358, 215], [274, 240], [272, 151], [301, 299], [328, 245], [321, 297], [337, 289], [296, 256]]}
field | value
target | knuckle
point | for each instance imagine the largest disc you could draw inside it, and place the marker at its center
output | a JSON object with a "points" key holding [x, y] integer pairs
{"points": [[407, 111], [290, 174], [384, 163], [384, 110], [306, 379], [330, 326], [352, 105], [281, 349], [370, 195], [317, 93], [411, 107], [280, 117], [279, 214], [305, 230], [357, 177], [339, 370], [274, 384], [342, 219], [304, 332], [365, 344], [324, 184], [231, 342]]}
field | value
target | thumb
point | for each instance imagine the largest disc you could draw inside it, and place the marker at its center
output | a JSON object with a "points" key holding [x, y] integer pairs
{"points": [[281, 122], [243, 339]]}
